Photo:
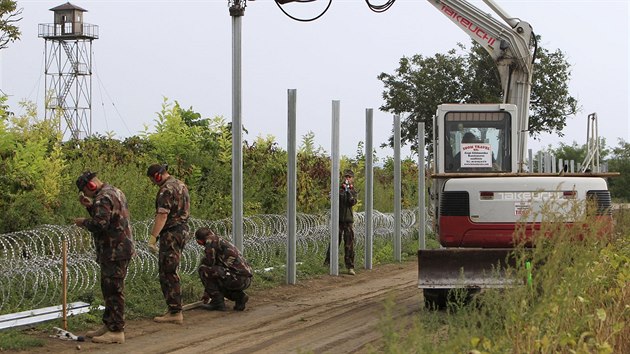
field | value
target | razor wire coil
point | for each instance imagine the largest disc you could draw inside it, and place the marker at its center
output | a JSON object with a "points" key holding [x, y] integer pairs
{"points": [[31, 260]]}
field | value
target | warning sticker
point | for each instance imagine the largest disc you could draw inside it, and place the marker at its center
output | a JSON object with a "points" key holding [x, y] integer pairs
{"points": [[522, 208], [476, 155]]}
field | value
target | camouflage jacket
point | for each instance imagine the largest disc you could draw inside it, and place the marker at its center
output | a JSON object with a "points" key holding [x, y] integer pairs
{"points": [[221, 252], [110, 225], [347, 199], [173, 199]]}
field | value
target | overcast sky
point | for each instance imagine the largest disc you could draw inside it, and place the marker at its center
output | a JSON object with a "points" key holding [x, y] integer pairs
{"points": [[182, 50]]}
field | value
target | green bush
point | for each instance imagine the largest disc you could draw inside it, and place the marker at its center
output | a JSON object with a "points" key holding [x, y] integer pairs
{"points": [[577, 302]]}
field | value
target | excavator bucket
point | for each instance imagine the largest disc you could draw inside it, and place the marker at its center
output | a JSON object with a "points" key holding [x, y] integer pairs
{"points": [[464, 268]]}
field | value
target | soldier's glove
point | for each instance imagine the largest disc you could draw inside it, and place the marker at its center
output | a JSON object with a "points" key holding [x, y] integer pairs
{"points": [[153, 244], [205, 298]]}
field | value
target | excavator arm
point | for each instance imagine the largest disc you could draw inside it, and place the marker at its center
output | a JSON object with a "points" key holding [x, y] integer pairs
{"points": [[511, 47]]}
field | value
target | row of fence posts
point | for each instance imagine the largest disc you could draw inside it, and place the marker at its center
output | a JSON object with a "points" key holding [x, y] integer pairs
{"points": [[334, 186], [546, 162]]}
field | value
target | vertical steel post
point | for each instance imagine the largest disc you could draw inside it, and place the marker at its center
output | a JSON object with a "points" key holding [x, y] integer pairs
{"points": [[291, 187], [237, 132], [369, 187], [334, 191], [397, 191], [422, 244], [64, 282]]}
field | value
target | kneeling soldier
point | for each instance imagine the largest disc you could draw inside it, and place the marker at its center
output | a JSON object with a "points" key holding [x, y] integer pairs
{"points": [[224, 272]]}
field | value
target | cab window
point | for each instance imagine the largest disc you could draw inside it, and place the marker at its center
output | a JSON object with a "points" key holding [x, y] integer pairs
{"points": [[477, 142]]}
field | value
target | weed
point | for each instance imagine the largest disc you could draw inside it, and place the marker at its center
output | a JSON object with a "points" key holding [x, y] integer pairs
{"points": [[577, 302]]}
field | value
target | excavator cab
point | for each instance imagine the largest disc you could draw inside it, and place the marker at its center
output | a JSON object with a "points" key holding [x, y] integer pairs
{"points": [[476, 138]]}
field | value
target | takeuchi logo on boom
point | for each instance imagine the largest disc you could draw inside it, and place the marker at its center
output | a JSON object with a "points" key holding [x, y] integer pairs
{"points": [[469, 25]]}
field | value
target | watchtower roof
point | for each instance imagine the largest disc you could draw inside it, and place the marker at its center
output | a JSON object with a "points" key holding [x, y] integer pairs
{"points": [[68, 6]]}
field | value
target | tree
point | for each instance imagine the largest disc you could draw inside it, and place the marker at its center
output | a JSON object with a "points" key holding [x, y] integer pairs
{"points": [[620, 162], [9, 17], [31, 165], [421, 83]]}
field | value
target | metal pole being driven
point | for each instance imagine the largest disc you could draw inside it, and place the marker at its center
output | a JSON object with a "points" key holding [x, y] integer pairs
{"points": [[334, 192], [237, 10], [291, 187], [421, 189], [397, 191], [369, 187], [64, 283]]}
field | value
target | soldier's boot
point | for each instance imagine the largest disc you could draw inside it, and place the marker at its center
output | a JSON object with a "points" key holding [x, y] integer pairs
{"points": [[351, 271], [110, 337], [96, 333], [177, 318], [240, 301], [216, 304]]}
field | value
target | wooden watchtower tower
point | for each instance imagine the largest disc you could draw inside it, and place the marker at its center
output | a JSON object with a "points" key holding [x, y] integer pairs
{"points": [[68, 69]]}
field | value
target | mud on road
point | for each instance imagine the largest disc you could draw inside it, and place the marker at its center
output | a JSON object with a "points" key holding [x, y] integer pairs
{"points": [[328, 314]]}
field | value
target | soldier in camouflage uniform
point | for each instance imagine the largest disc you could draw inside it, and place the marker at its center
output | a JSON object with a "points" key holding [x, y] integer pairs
{"points": [[347, 199], [110, 226], [224, 272], [170, 227]]}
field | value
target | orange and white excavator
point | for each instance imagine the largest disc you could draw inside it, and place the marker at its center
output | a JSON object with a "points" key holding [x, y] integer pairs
{"points": [[481, 191]]}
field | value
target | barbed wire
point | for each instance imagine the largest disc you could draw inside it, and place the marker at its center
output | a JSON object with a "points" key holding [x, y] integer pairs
{"points": [[31, 260]]}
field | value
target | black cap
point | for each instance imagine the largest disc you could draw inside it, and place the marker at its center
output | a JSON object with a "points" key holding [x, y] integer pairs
{"points": [[84, 179], [348, 173], [203, 233], [156, 168]]}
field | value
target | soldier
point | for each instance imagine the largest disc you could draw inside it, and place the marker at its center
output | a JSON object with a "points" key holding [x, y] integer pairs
{"points": [[347, 199], [224, 272], [171, 228], [111, 229]]}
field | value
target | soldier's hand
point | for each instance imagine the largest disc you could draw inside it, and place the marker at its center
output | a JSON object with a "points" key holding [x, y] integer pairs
{"points": [[79, 221], [205, 298], [85, 201], [153, 244]]}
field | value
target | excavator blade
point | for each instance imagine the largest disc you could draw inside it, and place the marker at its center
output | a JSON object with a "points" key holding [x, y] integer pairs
{"points": [[465, 268]]}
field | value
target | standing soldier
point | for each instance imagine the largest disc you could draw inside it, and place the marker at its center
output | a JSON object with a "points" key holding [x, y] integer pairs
{"points": [[111, 229], [224, 272], [171, 228], [347, 199]]}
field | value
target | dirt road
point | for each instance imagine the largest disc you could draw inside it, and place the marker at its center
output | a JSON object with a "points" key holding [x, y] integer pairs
{"points": [[324, 315]]}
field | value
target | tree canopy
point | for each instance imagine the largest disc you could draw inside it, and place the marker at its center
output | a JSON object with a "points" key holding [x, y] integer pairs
{"points": [[465, 75], [9, 17]]}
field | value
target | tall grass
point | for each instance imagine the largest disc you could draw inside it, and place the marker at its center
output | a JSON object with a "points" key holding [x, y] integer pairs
{"points": [[578, 301]]}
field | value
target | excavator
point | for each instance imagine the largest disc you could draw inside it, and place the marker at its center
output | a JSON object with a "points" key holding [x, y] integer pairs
{"points": [[482, 188]]}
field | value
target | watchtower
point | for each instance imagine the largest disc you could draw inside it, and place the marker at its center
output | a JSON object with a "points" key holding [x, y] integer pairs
{"points": [[68, 69]]}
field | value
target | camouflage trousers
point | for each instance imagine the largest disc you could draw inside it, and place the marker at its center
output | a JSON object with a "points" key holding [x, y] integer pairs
{"points": [[219, 282], [113, 275], [172, 243], [346, 234]]}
